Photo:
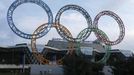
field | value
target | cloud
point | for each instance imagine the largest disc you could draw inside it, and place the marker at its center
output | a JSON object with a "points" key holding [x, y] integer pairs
{"points": [[73, 17], [2, 6], [74, 21], [113, 4], [29, 24], [127, 43]]}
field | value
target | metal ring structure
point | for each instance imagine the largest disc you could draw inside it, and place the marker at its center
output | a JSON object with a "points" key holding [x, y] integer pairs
{"points": [[15, 4], [63, 31], [40, 57], [79, 9], [120, 23], [107, 47]]}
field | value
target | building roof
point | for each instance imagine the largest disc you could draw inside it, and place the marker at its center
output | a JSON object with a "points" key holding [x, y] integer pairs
{"points": [[63, 45], [7, 66], [127, 53]]}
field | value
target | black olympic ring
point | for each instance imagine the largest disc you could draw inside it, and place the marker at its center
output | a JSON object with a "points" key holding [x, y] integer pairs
{"points": [[83, 12], [15, 4]]}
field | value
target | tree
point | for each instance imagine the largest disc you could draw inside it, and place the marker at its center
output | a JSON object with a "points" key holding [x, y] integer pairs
{"points": [[76, 65], [125, 67]]}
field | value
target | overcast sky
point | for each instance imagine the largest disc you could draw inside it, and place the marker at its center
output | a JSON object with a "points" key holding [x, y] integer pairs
{"points": [[28, 17]]}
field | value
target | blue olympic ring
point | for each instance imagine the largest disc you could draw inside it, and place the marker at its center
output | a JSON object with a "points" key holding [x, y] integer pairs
{"points": [[15, 4]]}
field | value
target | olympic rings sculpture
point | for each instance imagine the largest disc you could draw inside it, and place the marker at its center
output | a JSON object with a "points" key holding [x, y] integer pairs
{"points": [[63, 31]]}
